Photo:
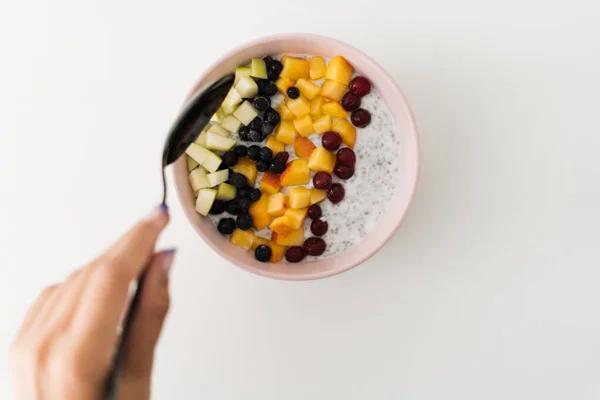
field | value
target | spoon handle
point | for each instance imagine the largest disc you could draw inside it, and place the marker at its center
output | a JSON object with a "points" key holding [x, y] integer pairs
{"points": [[164, 180], [113, 378]]}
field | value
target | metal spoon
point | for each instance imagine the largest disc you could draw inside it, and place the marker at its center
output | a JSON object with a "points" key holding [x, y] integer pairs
{"points": [[187, 127]]}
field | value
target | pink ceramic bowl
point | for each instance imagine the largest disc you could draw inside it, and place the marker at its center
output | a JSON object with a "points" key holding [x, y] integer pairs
{"points": [[406, 129]]}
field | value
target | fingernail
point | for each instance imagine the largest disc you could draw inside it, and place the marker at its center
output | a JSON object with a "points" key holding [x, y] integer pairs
{"points": [[158, 211], [167, 261]]}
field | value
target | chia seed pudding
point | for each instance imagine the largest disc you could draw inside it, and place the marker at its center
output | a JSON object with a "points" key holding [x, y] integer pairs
{"points": [[367, 191]]}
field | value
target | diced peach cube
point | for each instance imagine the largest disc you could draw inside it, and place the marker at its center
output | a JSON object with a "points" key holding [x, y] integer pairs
{"points": [[277, 252], [333, 90], [283, 84], [297, 216], [304, 125], [270, 183], [315, 106], [334, 109], [295, 238], [285, 113], [299, 197], [308, 89], [317, 68], [275, 145], [339, 70], [296, 173], [247, 168], [282, 226], [346, 130], [260, 241], [258, 212], [242, 238], [276, 207], [322, 124], [285, 132], [321, 160], [317, 196], [300, 106], [303, 147], [294, 68]]}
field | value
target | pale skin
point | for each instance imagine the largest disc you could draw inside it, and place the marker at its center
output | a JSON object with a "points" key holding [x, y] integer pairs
{"points": [[65, 346]]}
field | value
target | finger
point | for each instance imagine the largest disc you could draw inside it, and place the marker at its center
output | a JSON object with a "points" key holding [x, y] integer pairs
{"points": [[35, 308], [67, 301], [145, 328], [100, 307]]}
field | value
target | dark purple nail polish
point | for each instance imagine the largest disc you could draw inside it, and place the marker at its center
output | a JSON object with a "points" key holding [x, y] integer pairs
{"points": [[164, 208]]}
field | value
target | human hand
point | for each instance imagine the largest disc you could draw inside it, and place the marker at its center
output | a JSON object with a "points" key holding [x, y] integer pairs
{"points": [[65, 347]]}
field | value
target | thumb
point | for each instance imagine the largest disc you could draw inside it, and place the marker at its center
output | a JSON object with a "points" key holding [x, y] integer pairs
{"points": [[145, 329]]}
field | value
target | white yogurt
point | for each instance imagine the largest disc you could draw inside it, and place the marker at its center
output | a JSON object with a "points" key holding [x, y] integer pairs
{"points": [[368, 192]]}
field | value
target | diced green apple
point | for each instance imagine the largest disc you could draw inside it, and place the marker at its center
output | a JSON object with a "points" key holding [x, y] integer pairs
{"points": [[191, 163], [226, 192], [198, 179], [258, 68], [212, 162], [231, 123], [245, 112], [198, 153], [218, 116], [240, 72], [217, 129], [219, 143], [231, 101], [218, 177], [247, 87], [205, 200], [201, 141]]}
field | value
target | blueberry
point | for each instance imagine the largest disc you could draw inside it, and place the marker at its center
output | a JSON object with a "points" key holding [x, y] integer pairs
{"points": [[241, 150], [272, 116], [262, 86], [261, 103], [262, 253], [243, 132], [262, 166], [255, 195], [226, 226], [243, 193], [267, 59], [267, 128], [253, 152], [218, 207], [233, 207], [275, 66], [222, 166], [256, 123], [244, 222], [238, 180], [293, 92], [255, 136], [230, 158], [266, 154], [270, 89], [277, 165], [272, 76], [244, 204]]}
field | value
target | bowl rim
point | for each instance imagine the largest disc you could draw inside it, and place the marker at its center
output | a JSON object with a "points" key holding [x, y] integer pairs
{"points": [[411, 191]]}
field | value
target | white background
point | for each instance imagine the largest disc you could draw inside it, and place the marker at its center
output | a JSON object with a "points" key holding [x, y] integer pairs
{"points": [[490, 290]]}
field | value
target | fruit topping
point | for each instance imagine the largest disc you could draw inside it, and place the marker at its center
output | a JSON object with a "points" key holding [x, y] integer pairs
{"points": [[343, 171], [241, 151], [333, 90], [336, 192], [283, 156], [205, 200], [293, 92], [255, 195], [275, 145], [295, 254], [261, 103], [317, 68], [322, 180], [346, 130], [253, 152], [243, 239], [331, 140], [266, 154], [350, 102], [277, 165], [317, 196], [271, 116], [339, 70], [322, 124], [296, 173], [258, 211], [266, 88], [218, 207], [244, 222], [262, 166], [304, 125], [319, 227], [303, 147], [267, 128], [226, 226], [334, 109], [230, 158], [314, 211], [238, 180], [321, 160], [270, 183], [262, 253], [246, 87], [346, 157], [294, 68], [360, 86], [226, 192], [243, 133], [307, 88], [314, 246], [361, 118]]}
